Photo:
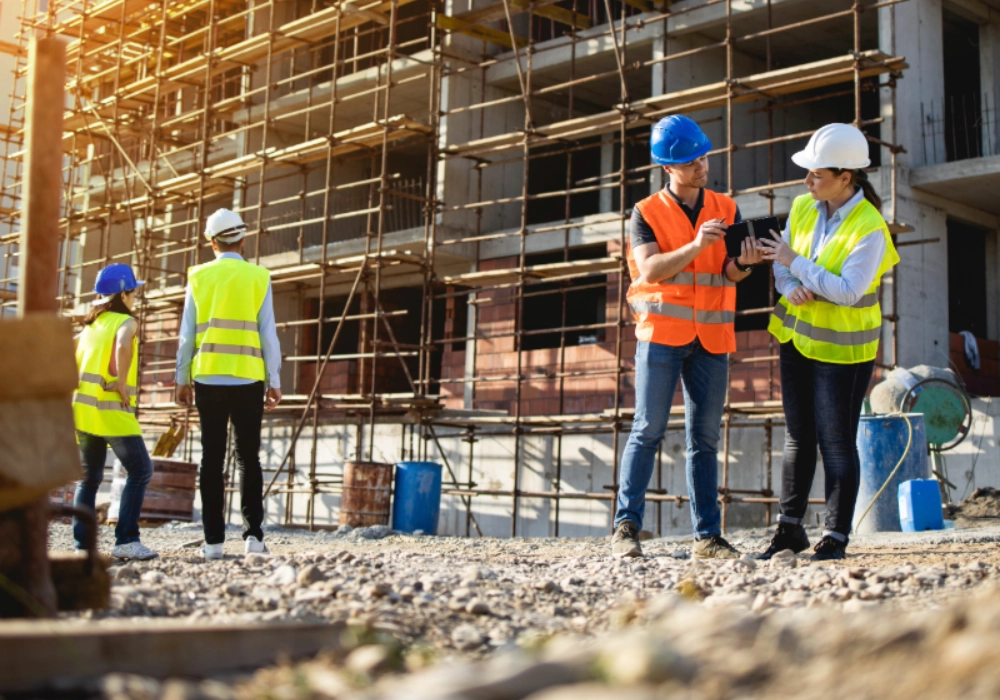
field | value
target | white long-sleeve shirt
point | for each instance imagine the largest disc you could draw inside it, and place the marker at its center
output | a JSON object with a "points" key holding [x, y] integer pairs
{"points": [[269, 346], [857, 273]]}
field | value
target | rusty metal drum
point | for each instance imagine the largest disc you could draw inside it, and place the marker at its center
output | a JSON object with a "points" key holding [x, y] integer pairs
{"points": [[169, 495], [365, 497]]}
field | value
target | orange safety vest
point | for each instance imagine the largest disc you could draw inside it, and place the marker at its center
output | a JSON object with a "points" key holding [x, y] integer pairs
{"points": [[697, 302]]}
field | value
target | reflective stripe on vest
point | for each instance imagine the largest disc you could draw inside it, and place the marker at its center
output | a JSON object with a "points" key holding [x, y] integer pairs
{"points": [[101, 405], [825, 335], [228, 294], [822, 330], [867, 301], [697, 302], [107, 385], [97, 407], [223, 349], [227, 325]]}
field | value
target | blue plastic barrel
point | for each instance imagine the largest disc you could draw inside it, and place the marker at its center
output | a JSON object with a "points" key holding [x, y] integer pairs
{"points": [[417, 498], [920, 505], [881, 442]]}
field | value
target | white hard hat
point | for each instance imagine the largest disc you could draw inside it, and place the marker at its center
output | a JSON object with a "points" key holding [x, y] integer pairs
{"points": [[835, 146], [225, 226]]}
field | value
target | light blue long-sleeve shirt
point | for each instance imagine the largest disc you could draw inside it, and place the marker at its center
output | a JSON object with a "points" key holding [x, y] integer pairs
{"points": [[857, 273], [269, 347]]}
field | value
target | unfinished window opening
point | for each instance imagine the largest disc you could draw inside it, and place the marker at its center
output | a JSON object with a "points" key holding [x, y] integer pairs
{"points": [[967, 279], [754, 293], [547, 173], [962, 108], [582, 300]]}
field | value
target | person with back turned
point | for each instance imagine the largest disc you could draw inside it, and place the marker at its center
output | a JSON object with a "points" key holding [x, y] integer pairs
{"points": [[827, 267], [229, 349], [683, 296], [104, 407]]}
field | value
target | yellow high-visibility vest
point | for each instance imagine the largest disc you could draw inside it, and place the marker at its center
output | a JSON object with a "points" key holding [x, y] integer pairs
{"points": [[228, 294], [820, 329], [97, 407]]}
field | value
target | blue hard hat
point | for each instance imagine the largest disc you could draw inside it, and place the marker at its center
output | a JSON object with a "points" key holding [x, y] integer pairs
{"points": [[115, 278], [677, 140]]}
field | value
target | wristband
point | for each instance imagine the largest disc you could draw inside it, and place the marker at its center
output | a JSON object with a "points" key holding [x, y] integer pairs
{"points": [[742, 268]]}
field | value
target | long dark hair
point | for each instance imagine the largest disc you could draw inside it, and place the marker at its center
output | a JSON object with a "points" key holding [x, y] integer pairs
{"points": [[116, 305], [859, 178]]}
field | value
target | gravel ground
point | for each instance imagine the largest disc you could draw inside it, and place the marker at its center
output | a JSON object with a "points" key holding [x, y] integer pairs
{"points": [[475, 609]]}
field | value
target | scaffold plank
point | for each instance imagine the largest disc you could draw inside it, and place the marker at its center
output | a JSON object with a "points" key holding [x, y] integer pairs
{"points": [[646, 111], [314, 27], [487, 278]]}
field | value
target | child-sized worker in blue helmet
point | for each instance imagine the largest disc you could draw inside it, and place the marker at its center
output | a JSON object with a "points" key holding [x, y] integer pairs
{"points": [[104, 407]]}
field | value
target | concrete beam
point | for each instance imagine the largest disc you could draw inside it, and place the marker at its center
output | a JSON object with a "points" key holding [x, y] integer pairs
{"points": [[555, 55], [972, 182]]}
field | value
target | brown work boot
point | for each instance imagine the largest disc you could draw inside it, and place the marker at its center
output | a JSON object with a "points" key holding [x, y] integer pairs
{"points": [[714, 547], [625, 542]]}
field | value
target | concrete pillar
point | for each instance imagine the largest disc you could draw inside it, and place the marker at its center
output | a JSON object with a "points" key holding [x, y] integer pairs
{"points": [[913, 30], [989, 77]]}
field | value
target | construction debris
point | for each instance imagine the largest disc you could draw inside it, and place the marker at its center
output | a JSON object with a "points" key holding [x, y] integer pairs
{"points": [[429, 599]]}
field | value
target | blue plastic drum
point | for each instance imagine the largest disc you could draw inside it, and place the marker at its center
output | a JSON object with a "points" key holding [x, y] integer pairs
{"points": [[881, 442], [417, 498]]}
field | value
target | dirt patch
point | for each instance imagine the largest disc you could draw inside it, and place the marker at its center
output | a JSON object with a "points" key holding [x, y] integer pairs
{"points": [[983, 504]]}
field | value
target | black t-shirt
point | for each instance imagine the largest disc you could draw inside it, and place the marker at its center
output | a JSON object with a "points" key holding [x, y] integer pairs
{"points": [[642, 233]]}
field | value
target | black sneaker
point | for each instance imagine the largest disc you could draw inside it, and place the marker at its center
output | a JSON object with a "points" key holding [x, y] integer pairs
{"points": [[829, 548], [625, 542], [788, 536]]}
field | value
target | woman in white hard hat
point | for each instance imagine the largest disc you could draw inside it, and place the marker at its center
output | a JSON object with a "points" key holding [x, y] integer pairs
{"points": [[827, 266], [104, 407]]}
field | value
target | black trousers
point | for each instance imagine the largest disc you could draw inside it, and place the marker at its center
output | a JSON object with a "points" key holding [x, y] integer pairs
{"points": [[822, 403], [217, 406]]}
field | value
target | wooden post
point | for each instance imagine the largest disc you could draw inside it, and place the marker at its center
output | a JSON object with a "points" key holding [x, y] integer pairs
{"points": [[38, 283], [38, 266]]}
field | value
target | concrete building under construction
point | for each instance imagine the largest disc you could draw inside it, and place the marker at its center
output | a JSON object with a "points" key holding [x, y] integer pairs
{"points": [[442, 190]]}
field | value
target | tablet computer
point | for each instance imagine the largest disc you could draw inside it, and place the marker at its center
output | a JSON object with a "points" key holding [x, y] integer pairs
{"points": [[749, 228]]}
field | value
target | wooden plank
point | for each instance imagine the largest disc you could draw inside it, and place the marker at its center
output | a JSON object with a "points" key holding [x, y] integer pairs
{"points": [[487, 278], [36, 655], [38, 358], [563, 16], [649, 110], [12, 49], [496, 12], [493, 36]]}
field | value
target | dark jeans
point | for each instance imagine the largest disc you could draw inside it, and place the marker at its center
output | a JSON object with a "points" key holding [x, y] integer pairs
{"points": [[822, 402], [131, 452], [217, 406], [704, 377]]}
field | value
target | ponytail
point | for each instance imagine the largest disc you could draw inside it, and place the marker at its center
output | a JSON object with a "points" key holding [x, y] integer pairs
{"points": [[116, 305], [859, 178]]}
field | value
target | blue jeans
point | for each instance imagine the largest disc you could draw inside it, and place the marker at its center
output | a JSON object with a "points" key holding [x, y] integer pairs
{"points": [[704, 377], [132, 453]]}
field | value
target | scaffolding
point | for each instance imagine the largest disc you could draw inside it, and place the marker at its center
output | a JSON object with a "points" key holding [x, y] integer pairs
{"points": [[324, 125]]}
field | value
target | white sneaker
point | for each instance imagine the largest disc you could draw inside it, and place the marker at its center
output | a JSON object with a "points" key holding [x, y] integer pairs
{"points": [[251, 545], [133, 550], [212, 551]]}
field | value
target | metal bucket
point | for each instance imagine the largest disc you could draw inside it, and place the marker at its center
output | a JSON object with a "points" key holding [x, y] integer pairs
{"points": [[365, 497], [881, 443], [169, 495]]}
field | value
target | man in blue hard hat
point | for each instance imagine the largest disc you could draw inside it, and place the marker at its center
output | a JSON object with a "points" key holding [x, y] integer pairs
{"points": [[683, 296]]}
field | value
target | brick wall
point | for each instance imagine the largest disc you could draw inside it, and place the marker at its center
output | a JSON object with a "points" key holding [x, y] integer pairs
{"points": [[984, 381], [592, 390]]}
